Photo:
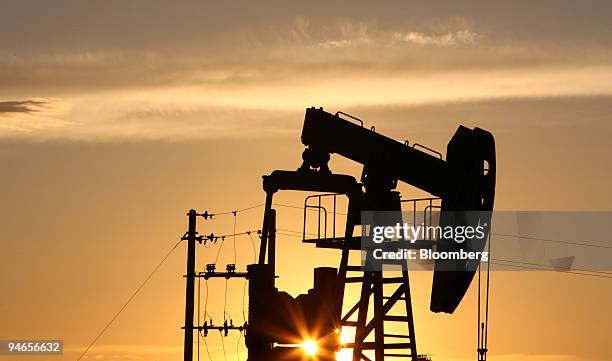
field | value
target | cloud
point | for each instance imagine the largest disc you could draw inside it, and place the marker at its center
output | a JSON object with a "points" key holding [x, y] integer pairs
{"points": [[345, 33], [193, 114], [291, 52], [258, 84], [32, 114], [25, 106], [449, 39], [168, 114]]}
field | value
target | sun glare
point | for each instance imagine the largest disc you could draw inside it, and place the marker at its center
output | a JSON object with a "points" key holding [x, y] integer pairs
{"points": [[310, 347]]}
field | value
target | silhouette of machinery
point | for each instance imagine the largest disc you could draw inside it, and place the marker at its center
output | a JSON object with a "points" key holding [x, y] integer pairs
{"points": [[465, 181]]}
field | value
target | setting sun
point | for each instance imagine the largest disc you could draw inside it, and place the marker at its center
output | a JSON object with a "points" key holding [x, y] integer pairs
{"points": [[310, 347]]}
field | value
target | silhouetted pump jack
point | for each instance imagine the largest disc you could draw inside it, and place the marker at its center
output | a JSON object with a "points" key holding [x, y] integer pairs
{"points": [[464, 182]]}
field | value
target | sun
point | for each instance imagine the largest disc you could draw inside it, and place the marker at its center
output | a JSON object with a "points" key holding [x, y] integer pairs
{"points": [[310, 347]]}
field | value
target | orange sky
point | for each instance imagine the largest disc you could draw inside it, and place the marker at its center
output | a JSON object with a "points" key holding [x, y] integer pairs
{"points": [[116, 118]]}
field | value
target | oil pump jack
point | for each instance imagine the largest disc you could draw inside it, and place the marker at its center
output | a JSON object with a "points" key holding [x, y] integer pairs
{"points": [[465, 181]]}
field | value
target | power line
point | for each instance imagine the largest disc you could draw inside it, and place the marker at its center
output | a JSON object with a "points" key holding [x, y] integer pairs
{"points": [[288, 234], [129, 300], [517, 264], [206, 302], [539, 267], [235, 211], [219, 251], [585, 244], [260, 205], [553, 267], [553, 240], [225, 313], [296, 232], [293, 233], [205, 345], [223, 346], [254, 249], [238, 347], [302, 208], [234, 236], [213, 238], [288, 206]]}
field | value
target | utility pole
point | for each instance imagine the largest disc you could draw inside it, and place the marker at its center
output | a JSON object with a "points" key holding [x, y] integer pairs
{"points": [[189, 289]]}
